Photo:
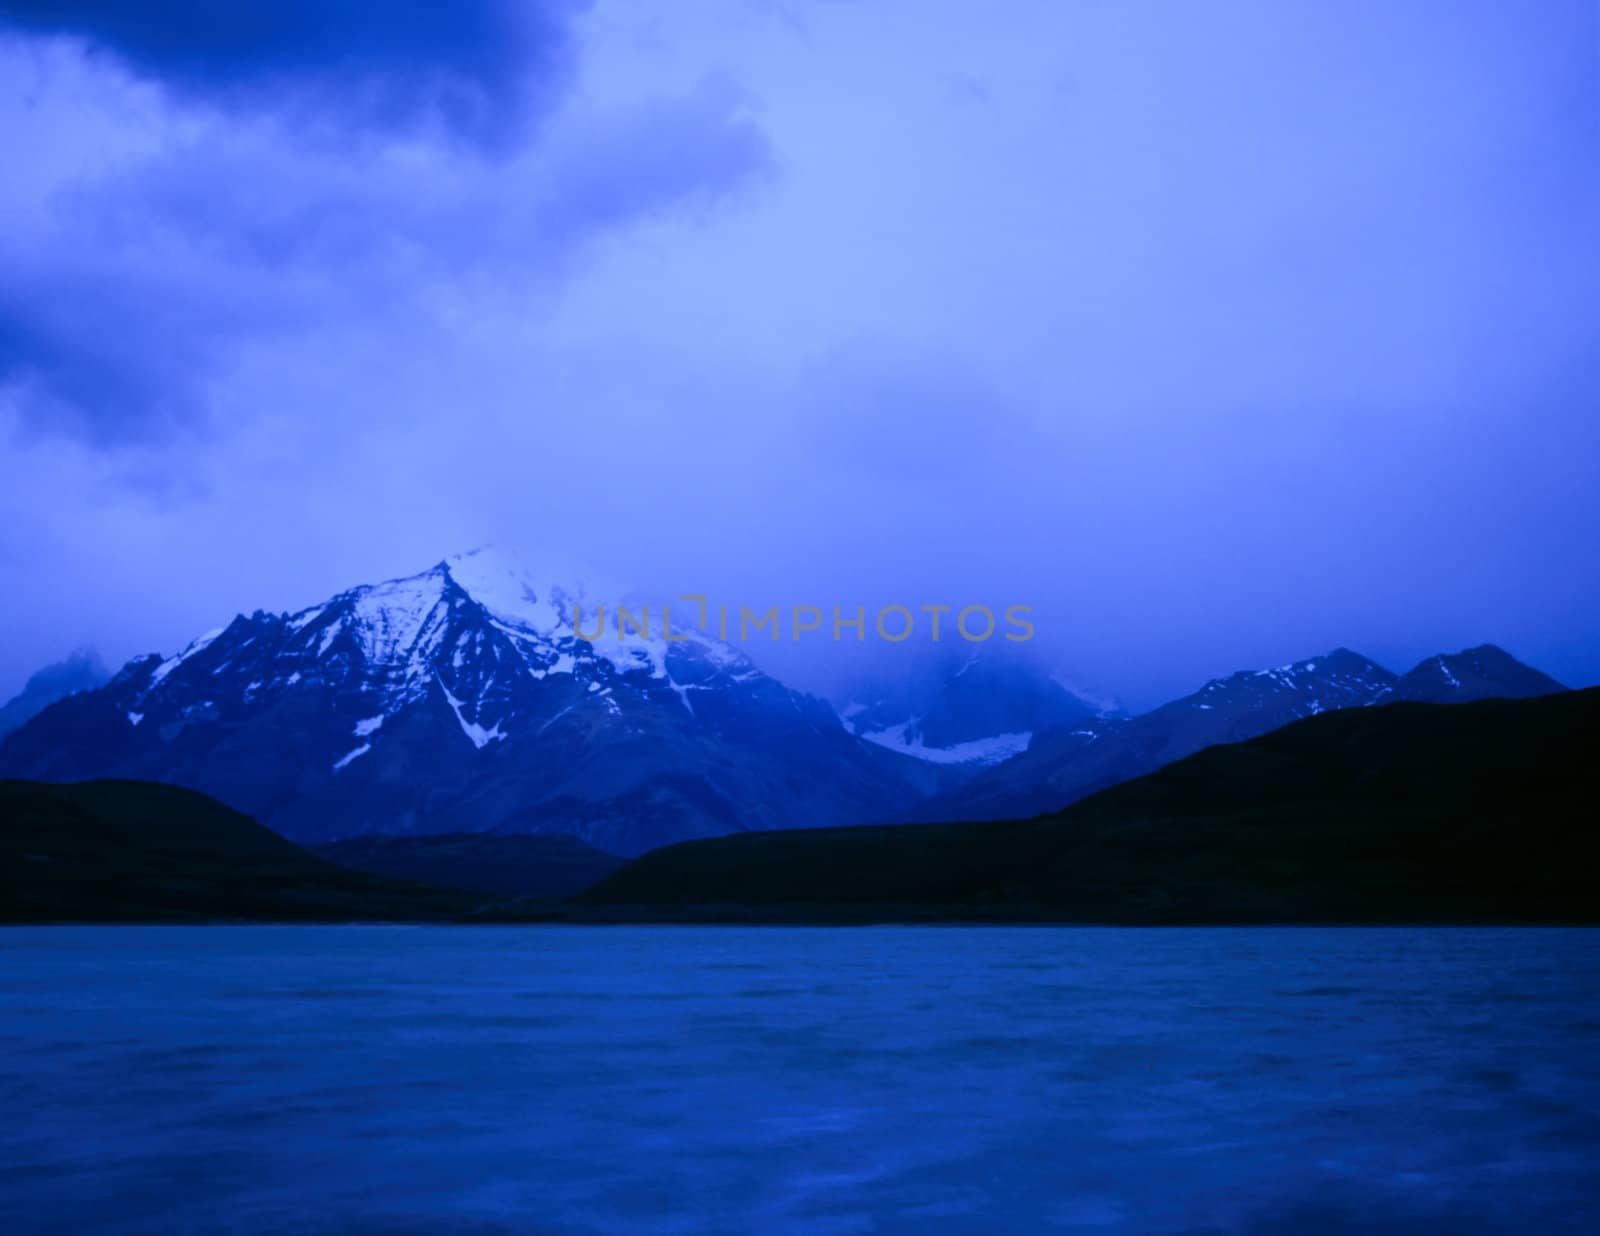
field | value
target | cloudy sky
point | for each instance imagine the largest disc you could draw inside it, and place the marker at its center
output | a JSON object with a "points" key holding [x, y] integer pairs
{"points": [[1220, 334]]}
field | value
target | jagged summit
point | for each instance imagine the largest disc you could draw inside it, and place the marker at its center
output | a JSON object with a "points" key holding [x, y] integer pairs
{"points": [[397, 623], [1475, 673], [1338, 679], [1100, 752]]}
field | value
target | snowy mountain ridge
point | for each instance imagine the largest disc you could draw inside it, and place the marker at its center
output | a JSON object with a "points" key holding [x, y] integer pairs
{"points": [[402, 638], [464, 698]]}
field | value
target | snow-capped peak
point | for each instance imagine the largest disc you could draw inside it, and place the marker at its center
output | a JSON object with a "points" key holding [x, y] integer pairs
{"points": [[502, 646]]}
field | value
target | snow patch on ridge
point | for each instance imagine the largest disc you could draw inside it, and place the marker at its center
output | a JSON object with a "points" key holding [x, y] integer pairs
{"points": [[985, 751], [172, 663], [359, 751], [634, 654], [480, 737], [305, 618]]}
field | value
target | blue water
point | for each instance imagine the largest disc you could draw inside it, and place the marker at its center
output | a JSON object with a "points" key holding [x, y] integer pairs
{"points": [[686, 1080]]}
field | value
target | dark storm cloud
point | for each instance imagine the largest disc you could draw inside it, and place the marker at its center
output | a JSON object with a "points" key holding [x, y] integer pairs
{"points": [[146, 281], [275, 209], [476, 68]]}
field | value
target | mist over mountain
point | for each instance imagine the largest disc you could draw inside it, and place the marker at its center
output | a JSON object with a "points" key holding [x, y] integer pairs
{"points": [[960, 703], [82, 670]]}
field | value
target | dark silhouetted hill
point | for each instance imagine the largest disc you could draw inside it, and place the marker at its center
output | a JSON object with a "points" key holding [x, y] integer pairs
{"points": [[511, 866], [1481, 812], [111, 851]]}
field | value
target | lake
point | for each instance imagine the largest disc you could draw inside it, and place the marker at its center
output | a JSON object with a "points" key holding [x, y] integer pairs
{"points": [[726, 1080]]}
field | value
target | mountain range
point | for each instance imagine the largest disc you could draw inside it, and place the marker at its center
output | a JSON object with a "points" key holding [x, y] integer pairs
{"points": [[1063, 766], [462, 700]]}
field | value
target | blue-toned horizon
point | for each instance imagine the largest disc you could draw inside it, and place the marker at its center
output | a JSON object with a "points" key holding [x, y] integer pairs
{"points": [[1220, 335]]}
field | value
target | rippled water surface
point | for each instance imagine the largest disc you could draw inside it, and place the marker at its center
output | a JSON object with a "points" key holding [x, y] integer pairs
{"points": [[686, 1080]]}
